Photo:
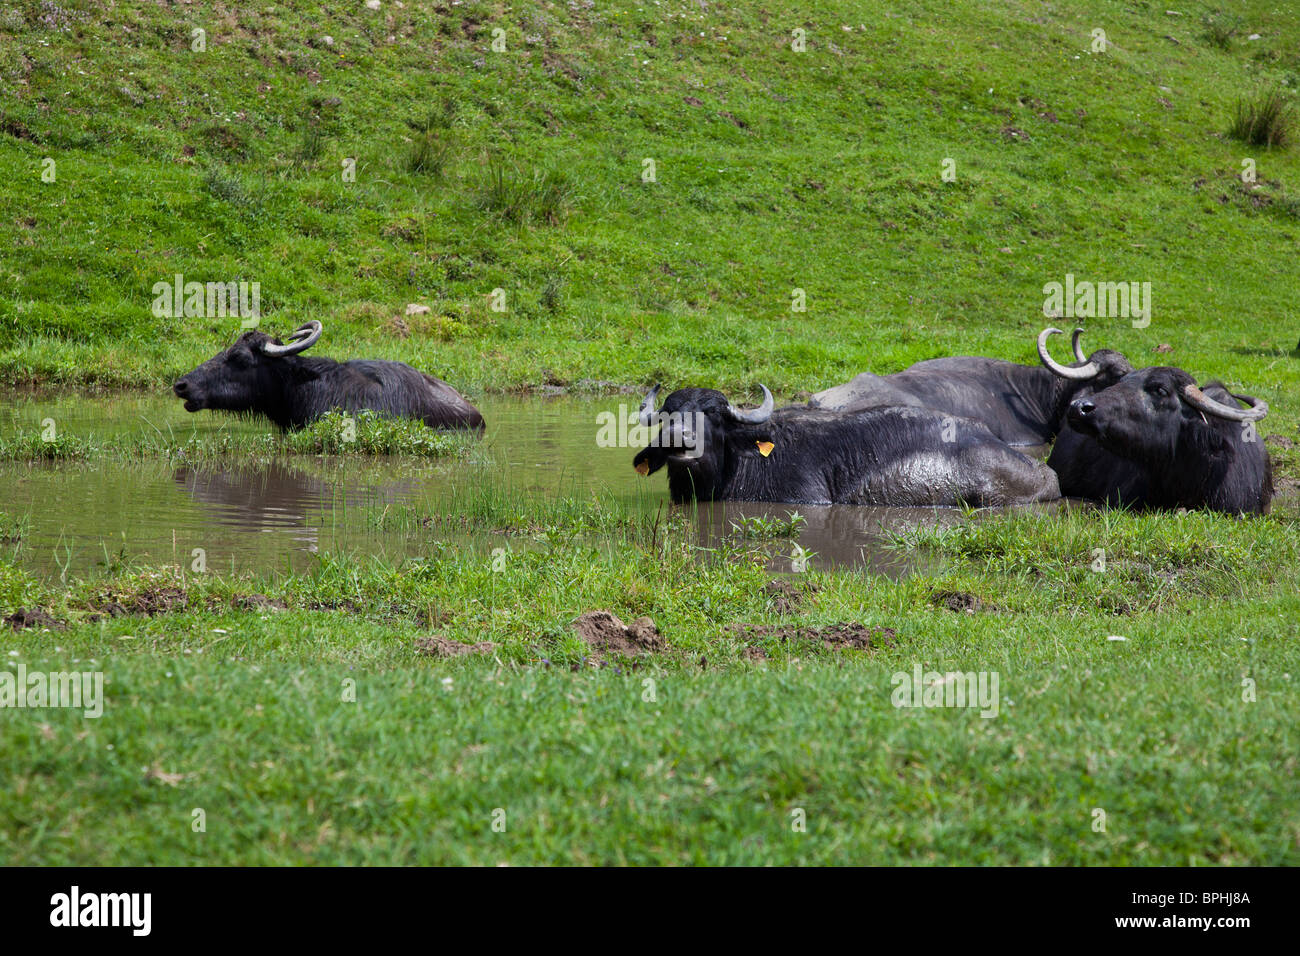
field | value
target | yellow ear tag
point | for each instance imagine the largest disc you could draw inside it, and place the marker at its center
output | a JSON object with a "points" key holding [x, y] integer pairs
{"points": [[643, 468], [765, 448]]}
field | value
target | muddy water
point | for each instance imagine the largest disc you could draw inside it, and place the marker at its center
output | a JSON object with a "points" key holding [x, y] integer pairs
{"points": [[83, 517]]}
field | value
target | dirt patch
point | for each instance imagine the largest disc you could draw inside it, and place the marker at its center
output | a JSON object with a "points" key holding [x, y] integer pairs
{"points": [[1279, 441], [961, 602], [151, 601], [351, 607], [436, 646], [784, 597], [15, 129], [849, 635], [36, 617], [258, 602], [604, 633]]}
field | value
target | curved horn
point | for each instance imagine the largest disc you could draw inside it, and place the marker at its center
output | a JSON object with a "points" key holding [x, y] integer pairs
{"points": [[1086, 371], [1201, 402], [1074, 344], [647, 416], [758, 415], [303, 338]]}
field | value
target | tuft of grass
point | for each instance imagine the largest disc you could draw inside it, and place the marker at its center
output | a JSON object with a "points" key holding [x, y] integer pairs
{"points": [[552, 293], [770, 526], [429, 154], [311, 147], [13, 528], [434, 145], [1219, 31], [337, 433], [544, 197], [1266, 119], [225, 187], [367, 433]]}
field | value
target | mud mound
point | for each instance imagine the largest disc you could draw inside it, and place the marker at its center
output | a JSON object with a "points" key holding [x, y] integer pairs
{"points": [[845, 636], [258, 602], [23, 618], [960, 601], [784, 597], [604, 633], [150, 601], [436, 646]]}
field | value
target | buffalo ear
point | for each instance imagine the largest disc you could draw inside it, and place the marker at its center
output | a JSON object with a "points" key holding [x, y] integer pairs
{"points": [[304, 373]]}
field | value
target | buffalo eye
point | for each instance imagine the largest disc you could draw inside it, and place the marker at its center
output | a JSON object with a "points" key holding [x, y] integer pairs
{"points": [[1158, 390]]}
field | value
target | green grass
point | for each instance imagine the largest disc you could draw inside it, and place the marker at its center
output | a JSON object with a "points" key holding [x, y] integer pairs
{"points": [[1267, 119], [335, 433], [698, 753], [773, 171]]}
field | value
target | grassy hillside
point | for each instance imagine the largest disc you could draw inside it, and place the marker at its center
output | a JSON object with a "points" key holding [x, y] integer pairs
{"points": [[775, 170], [308, 715]]}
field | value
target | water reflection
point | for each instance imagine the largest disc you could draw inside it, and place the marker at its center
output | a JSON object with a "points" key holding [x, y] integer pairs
{"points": [[272, 516]]}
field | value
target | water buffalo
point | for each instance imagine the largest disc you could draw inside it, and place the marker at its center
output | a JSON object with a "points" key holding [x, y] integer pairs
{"points": [[1020, 404], [261, 375], [899, 455], [1165, 443]]}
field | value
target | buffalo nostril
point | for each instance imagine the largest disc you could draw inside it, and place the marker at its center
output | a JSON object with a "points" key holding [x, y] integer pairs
{"points": [[181, 387]]}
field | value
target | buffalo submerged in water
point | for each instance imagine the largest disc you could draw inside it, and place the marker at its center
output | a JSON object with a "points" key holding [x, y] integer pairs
{"points": [[263, 376], [1020, 404], [1157, 440], [1148, 438], [880, 456]]}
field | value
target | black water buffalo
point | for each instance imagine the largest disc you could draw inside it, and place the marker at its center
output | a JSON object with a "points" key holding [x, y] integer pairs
{"points": [[1020, 404], [901, 455], [260, 375], [1165, 443]]}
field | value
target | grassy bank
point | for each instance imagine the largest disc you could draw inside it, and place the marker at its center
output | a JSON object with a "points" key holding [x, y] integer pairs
{"points": [[337, 433], [468, 706], [774, 170], [312, 718]]}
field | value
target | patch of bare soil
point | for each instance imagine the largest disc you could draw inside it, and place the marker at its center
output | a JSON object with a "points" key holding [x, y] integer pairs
{"points": [[436, 646], [36, 617], [150, 601], [604, 633], [846, 636], [258, 602], [784, 597], [961, 602]]}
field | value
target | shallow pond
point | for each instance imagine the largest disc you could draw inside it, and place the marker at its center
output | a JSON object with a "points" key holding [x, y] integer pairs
{"points": [[77, 518]]}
